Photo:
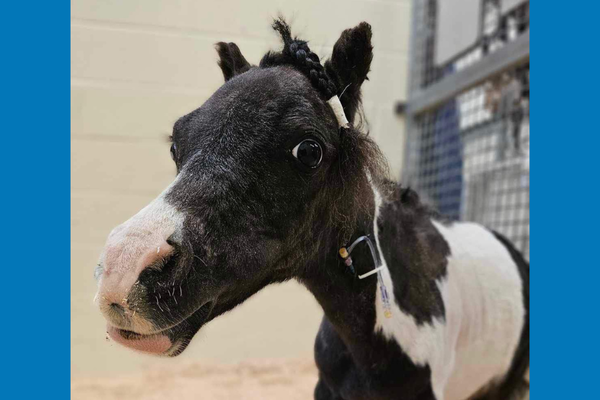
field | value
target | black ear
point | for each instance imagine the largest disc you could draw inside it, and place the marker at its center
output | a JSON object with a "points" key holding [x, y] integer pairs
{"points": [[231, 60], [350, 63]]}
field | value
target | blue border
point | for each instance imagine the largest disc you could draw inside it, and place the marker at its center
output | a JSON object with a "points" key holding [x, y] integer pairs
{"points": [[36, 183], [565, 271], [35, 71]]}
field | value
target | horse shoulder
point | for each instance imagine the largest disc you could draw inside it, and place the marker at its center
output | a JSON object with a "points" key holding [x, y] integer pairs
{"points": [[480, 292]]}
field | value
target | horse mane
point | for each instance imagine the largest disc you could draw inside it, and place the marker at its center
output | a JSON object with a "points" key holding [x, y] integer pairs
{"points": [[360, 162]]}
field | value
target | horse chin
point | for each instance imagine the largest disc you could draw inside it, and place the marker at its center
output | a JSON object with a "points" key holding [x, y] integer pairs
{"points": [[169, 342]]}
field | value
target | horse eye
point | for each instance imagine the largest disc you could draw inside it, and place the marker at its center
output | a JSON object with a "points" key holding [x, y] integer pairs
{"points": [[174, 151], [308, 152]]}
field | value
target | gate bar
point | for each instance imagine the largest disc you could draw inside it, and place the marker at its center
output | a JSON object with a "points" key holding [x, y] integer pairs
{"points": [[512, 54]]}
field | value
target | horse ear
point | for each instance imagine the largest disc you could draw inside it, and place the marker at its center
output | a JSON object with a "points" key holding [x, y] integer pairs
{"points": [[231, 60], [350, 63]]}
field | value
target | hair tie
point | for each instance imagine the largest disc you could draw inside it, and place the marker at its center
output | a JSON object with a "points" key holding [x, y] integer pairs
{"points": [[338, 110]]}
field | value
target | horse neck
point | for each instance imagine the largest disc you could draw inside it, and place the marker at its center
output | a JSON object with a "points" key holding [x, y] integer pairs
{"points": [[348, 302]]}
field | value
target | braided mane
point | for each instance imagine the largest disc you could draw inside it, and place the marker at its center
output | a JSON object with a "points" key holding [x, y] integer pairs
{"points": [[357, 152], [296, 53]]}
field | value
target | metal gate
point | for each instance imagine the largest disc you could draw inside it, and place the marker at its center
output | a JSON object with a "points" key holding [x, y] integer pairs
{"points": [[467, 150]]}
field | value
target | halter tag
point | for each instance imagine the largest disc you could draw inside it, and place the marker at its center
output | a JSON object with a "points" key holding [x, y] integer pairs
{"points": [[385, 297], [338, 110]]}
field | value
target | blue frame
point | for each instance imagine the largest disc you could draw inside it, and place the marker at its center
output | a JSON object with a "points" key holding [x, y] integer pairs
{"points": [[565, 270], [36, 192]]}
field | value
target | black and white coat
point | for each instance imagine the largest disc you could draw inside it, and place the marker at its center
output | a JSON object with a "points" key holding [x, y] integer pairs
{"points": [[459, 324], [271, 182]]}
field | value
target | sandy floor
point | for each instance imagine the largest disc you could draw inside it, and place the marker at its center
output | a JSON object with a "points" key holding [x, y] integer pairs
{"points": [[253, 379]]}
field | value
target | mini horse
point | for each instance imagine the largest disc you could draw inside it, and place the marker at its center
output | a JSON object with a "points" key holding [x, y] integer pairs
{"points": [[273, 183]]}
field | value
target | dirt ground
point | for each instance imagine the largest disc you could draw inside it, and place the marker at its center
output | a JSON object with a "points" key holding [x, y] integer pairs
{"points": [[247, 380]]}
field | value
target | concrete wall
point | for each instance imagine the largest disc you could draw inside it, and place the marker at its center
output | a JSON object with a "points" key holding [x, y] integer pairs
{"points": [[139, 65]]}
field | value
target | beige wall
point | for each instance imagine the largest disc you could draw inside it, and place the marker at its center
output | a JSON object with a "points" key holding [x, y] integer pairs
{"points": [[139, 65]]}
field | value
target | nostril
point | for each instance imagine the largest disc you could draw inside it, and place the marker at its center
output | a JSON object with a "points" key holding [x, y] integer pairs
{"points": [[173, 242], [131, 262], [162, 259], [117, 315], [156, 256], [117, 308], [161, 269]]}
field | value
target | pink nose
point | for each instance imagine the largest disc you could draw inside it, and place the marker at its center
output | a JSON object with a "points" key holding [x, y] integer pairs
{"points": [[125, 256]]}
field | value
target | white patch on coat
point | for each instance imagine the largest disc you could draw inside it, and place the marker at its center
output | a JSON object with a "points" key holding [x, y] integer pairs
{"points": [[482, 295], [153, 224], [127, 252]]}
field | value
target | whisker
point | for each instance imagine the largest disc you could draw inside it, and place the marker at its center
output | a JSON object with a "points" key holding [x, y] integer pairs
{"points": [[201, 260]]}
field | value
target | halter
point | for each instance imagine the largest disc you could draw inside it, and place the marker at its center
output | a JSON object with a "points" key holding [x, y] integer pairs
{"points": [[345, 254], [338, 110]]}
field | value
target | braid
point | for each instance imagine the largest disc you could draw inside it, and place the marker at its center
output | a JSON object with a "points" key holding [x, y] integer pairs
{"points": [[297, 53]]}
